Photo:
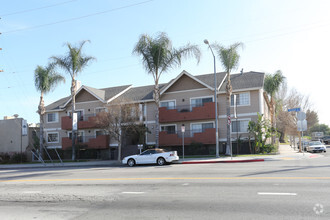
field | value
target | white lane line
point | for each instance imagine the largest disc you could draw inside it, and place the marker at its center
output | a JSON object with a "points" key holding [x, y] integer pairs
{"points": [[132, 192], [185, 184], [32, 192], [276, 194]]}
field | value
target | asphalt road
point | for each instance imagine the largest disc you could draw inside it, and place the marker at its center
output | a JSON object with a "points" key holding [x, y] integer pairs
{"points": [[285, 189]]}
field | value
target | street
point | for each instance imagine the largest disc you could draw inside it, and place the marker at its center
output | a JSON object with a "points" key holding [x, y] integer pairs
{"points": [[283, 189]]}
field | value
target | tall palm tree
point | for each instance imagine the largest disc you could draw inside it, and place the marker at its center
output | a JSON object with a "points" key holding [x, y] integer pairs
{"points": [[45, 80], [73, 63], [159, 56], [229, 59], [271, 86]]}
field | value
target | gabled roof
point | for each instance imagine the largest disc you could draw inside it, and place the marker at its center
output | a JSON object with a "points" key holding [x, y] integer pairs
{"points": [[241, 81], [105, 95], [168, 85]]}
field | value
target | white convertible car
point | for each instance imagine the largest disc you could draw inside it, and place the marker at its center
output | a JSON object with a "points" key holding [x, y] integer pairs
{"points": [[152, 156]]}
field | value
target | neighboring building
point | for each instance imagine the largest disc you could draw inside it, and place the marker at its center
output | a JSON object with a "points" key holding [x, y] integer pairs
{"points": [[13, 135], [187, 100]]}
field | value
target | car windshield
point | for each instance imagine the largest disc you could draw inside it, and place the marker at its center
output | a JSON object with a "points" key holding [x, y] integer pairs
{"points": [[315, 143]]}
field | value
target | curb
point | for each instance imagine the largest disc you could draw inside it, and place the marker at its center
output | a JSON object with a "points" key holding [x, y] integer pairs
{"points": [[224, 161]]}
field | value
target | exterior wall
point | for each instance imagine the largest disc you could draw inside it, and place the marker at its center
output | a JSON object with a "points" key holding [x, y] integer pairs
{"points": [[84, 96], [11, 137], [185, 83], [248, 112]]}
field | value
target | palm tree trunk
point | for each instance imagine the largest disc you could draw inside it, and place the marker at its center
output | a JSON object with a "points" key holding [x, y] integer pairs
{"points": [[228, 99], [41, 112], [156, 94], [73, 96], [272, 119]]}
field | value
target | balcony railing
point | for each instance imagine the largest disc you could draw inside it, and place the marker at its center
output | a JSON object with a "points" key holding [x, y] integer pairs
{"points": [[88, 142], [205, 136], [84, 121], [187, 113]]}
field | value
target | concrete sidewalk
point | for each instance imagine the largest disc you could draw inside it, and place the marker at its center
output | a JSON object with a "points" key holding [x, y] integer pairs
{"points": [[285, 153]]}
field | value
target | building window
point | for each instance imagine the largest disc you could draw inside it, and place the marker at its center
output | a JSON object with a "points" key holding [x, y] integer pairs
{"points": [[52, 117], [52, 137], [80, 114], [241, 99], [198, 128], [101, 109], [240, 126], [168, 104], [79, 136], [197, 102], [99, 132], [170, 129]]}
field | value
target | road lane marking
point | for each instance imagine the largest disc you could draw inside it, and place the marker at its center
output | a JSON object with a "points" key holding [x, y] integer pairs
{"points": [[287, 158], [169, 178], [276, 194], [32, 192], [132, 192], [185, 184]]}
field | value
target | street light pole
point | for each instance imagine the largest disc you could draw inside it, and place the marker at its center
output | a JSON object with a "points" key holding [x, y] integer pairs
{"points": [[215, 102]]}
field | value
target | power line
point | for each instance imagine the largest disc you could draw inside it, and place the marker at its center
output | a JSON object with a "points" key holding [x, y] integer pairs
{"points": [[78, 18], [35, 9]]}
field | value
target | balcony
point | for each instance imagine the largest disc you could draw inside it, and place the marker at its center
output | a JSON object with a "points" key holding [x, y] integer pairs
{"points": [[206, 136], [187, 113], [87, 142], [84, 122]]}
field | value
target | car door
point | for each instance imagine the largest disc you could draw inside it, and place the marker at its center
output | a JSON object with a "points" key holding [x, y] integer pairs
{"points": [[145, 157]]}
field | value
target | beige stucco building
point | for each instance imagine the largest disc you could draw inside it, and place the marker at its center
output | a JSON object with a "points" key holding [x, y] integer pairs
{"points": [[186, 100], [13, 135]]}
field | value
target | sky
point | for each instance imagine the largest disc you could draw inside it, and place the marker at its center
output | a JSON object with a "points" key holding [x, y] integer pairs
{"points": [[288, 35]]}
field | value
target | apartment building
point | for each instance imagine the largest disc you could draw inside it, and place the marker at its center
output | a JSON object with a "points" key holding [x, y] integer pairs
{"points": [[186, 100]]}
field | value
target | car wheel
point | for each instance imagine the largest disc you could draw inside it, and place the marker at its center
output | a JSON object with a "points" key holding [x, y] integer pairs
{"points": [[131, 162], [161, 161]]}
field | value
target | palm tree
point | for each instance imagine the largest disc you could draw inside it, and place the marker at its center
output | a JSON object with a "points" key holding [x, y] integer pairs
{"points": [[73, 63], [45, 80], [159, 56], [272, 85], [229, 59]]}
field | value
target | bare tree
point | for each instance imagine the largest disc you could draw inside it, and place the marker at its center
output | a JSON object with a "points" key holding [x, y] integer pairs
{"points": [[120, 120], [287, 121]]}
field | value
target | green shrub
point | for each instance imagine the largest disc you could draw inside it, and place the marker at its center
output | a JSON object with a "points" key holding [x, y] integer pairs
{"points": [[18, 157]]}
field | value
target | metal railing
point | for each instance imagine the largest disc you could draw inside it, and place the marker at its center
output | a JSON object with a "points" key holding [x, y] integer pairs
{"points": [[185, 108], [187, 133]]}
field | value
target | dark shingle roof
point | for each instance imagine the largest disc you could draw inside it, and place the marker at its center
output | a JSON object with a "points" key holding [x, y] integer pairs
{"points": [[56, 105], [209, 78], [238, 81], [245, 81]]}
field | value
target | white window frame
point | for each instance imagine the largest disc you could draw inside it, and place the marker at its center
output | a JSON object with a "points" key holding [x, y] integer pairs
{"points": [[239, 119], [77, 110], [56, 117], [204, 122], [249, 94], [200, 97], [58, 137], [172, 100], [106, 109], [96, 130], [176, 127], [82, 131]]}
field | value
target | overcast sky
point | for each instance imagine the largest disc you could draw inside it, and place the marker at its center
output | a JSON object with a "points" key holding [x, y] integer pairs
{"points": [[288, 35]]}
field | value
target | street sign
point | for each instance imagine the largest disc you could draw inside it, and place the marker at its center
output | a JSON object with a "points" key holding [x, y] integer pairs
{"points": [[302, 125], [294, 110], [301, 116]]}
